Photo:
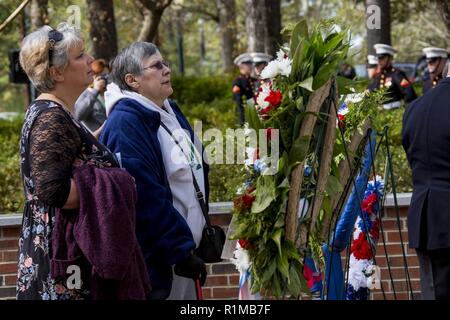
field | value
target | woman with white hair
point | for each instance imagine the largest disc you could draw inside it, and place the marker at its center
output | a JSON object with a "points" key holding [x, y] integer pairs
{"points": [[158, 148], [52, 145]]}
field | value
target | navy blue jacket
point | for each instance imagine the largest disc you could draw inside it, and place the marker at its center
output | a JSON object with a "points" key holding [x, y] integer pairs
{"points": [[426, 140], [162, 232]]}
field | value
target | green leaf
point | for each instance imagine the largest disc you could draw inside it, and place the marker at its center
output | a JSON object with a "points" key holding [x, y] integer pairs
{"points": [[280, 221], [333, 186], [300, 31], [332, 42], [298, 59], [283, 265], [268, 272], [307, 84], [275, 284], [299, 150], [326, 205], [297, 124], [345, 85], [252, 117], [276, 237], [324, 73], [265, 193], [294, 283], [299, 104]]}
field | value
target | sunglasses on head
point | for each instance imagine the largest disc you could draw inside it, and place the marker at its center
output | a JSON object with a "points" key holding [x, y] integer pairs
{"points": [[432, 60], [54, 36], [159, 65]]}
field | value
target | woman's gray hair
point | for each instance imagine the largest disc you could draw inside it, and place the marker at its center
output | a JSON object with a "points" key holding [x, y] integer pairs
{"points": [[129, 60], [34, 54]]}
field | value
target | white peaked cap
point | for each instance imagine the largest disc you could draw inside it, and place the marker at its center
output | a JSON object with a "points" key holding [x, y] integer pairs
{"points": [[371, 59], [243, 58], [258, 57], [384, 49], [433, 52]]}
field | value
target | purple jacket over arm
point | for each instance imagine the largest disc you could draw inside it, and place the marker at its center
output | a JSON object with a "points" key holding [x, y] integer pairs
{"points": [[101, 237]]}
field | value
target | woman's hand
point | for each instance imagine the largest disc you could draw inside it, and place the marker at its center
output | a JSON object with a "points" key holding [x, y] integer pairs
{"points": [[99, 84]]}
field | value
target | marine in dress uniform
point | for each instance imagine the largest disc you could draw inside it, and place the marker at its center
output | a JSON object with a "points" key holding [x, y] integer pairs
{"points": [[426, 140], [397, 85], [260, 61], [243, 86], [436, 60], [372, 66]]}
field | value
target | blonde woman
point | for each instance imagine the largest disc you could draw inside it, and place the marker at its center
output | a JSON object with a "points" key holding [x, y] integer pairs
{"points": [[52, 144]]}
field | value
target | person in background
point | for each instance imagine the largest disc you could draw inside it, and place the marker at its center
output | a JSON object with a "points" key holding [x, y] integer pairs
{"points": [[436, 60], [90, 106], [260, 61], [243, 87], [346, 70], [143, 129], [372, 66], [426, 141], [394, 80]]}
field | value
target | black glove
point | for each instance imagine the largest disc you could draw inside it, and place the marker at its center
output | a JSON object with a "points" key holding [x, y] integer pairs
{"points": [[193, 267]]}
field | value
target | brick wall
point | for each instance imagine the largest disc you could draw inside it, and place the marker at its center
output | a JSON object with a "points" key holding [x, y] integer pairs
{"points": [[8, 260], [223, 279]]}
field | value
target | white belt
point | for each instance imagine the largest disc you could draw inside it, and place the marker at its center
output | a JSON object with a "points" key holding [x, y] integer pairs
{"points": [[392, 105]]}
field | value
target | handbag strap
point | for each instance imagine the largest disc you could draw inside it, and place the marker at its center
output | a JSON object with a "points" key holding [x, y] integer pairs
{"points": [[198, 192]]}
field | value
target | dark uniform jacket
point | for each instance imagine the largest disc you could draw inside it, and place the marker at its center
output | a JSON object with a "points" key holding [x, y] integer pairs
{"points": [[397, 85], [430, 82], [426, 140], [243, 87]]}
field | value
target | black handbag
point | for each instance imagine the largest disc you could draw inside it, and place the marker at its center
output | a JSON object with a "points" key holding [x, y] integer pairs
{"points": [[213, 237]]}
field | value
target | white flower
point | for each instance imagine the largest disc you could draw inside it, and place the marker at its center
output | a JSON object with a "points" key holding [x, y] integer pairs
{"points": [[280, 55], [250, 152], [285, 67], [356, 274], [241, 259], [261, 100], [262, 95], [271, 70]]}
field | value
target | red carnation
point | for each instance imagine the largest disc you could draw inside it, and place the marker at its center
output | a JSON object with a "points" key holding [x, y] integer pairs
{"points": [[369, 203], [245, 244], [361, 248], [341, 119], [247, 200], [274, 98]]}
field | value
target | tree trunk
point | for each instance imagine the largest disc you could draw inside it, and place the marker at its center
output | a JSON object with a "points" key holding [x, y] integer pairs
{"points": [[103, 28], [180, 41], [378, 23], [273, 38], [152, 11], [39, 14], [150, 25], [444, 13], [255, 23], [226, 10]]}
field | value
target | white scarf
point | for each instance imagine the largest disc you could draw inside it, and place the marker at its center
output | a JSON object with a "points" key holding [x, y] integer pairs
{"points": [[178, 168]]}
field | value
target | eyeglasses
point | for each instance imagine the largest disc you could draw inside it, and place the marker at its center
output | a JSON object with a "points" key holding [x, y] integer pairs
{"points": [[54, 36], [158, 65], [432, 60]]}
